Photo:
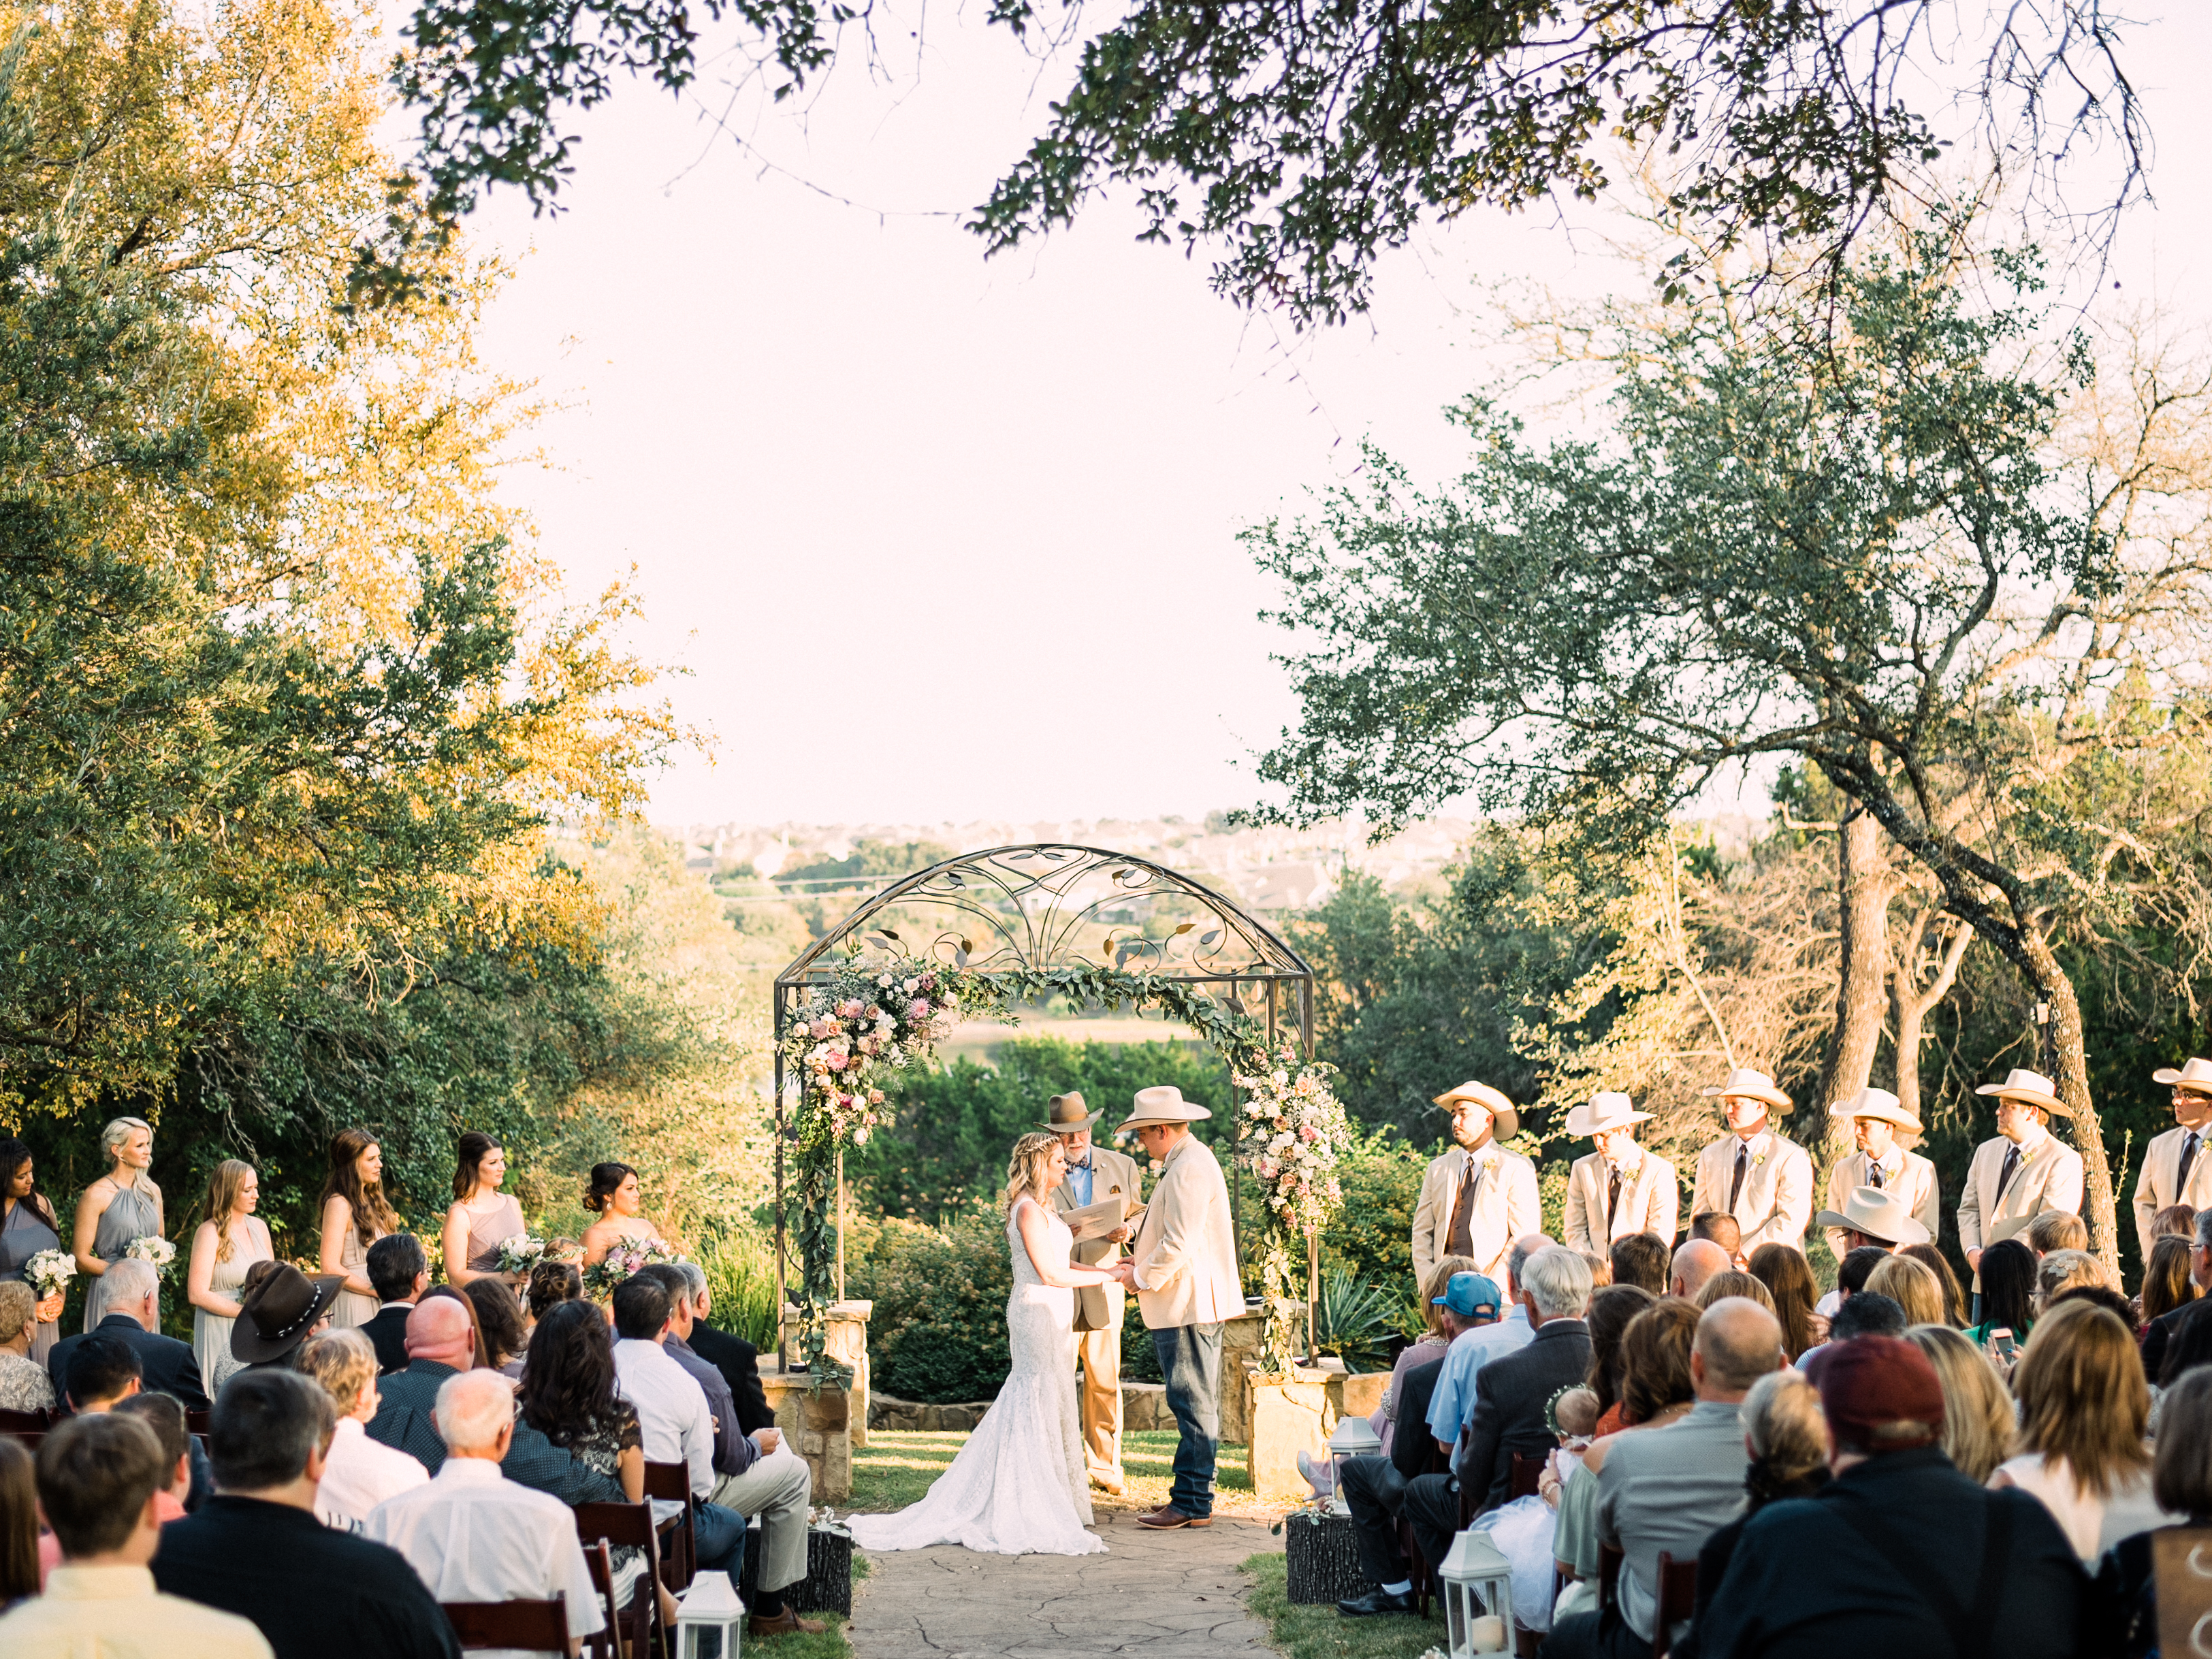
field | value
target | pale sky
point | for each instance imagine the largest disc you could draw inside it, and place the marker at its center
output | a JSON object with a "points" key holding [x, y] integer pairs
{"points": [[939, 539]]}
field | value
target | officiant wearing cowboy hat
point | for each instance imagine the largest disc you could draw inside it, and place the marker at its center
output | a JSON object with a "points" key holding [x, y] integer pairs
{"points": [[2174, 1170], [1182, 1265], [1095, 1174], [2022, 1172], [1764, 1179], [1621, 1187], [1876, 1216], [1877, 1120], [1478, 1198]]}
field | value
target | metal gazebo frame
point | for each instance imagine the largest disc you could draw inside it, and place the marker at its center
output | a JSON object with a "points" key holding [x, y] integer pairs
{"points": [[1048, 905]]}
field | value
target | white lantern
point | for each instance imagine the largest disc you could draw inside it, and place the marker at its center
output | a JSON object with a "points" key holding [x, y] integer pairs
{"points": [[1353, 1438], [709, 1619], [1478, 1596]]}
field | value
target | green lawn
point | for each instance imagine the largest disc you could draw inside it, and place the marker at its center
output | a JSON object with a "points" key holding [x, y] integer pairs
{"points": [[1321, 1633], [894, 1469]]}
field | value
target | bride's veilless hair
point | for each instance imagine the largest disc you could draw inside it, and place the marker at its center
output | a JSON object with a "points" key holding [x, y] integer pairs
{"points": [[1025, 1167]]}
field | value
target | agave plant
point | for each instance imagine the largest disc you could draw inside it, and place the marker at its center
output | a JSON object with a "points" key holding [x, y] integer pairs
{"points": [[1355, 1321]]}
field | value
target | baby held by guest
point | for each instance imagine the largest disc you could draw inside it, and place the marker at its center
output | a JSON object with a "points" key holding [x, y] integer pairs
{"points": [[1573, 1413]]}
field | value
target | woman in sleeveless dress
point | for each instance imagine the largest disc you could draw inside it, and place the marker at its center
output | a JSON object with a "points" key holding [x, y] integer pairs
{"points": [[355, 1214], [122, 1205], [1017, 1486], [230, 1241], [617, 1199], [26, 1227], [482, 1215]]}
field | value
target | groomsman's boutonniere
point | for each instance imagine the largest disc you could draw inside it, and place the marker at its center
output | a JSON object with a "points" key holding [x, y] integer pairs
{"points": [[1758, 1159], [1489, 1161]]}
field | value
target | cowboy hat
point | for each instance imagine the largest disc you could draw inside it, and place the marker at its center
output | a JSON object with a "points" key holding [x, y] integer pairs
{"points": [[2032, 1087], [275, 1316], [1506, 1116], [2194, 1074], [1066, 1114], [1876, 1103], [1878, 1213], [1607, 1110], [1163, 1104], [1745, 1083]]}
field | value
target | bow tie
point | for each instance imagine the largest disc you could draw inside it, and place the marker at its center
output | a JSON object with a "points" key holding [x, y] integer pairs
{"points": [[1083, 1165]]}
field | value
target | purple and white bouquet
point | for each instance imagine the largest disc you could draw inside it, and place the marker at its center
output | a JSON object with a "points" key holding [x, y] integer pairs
{"points": [[620, 1262]]}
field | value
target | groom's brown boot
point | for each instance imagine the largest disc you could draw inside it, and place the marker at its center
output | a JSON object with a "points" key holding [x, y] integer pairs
{"points": [[1167, 1517]]}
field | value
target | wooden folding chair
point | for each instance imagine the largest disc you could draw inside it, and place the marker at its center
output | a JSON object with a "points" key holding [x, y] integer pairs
{"points": [[1609, 1558], [1678, 1599], [1424, 1574], [673, 1481], [540, 1625], [605, 1643], [1526, 1475], [632, 1525], [25, 1422]]}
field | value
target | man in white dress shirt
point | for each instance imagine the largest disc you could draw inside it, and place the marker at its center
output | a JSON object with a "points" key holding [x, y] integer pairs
{"points": [[1621, 1187], [1761, 1178], [1478, 1198], [2022, 1171], [1876, 1117], [2174, 1171], [471, 1534], [358, 1473]]}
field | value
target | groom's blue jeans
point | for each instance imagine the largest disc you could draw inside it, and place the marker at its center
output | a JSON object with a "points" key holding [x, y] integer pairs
{"points": [[1190, 1364]]}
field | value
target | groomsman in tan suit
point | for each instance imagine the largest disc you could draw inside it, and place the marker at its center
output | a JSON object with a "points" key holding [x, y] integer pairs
{"points": [[1761, 1178], [1620, 1188], [1095, 1174], [1876, 1117], [2175, 1170], [2022, 1172], [1478, 1198], [1182, 1265]]}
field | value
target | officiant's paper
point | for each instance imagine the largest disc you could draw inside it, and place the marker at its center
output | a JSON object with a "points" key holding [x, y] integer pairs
{"points": [[1097, 1220]]}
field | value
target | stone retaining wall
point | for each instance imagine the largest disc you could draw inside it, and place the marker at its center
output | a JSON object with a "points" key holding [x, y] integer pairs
{"points": [[1144, 1406]]}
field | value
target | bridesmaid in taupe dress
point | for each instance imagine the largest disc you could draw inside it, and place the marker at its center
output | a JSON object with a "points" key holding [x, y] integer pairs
{"points": [[26, 1227], [355, 1214], [482, 1215], [122, 1205]]}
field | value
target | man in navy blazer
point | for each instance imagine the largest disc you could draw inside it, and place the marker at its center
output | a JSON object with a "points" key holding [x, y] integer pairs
{"points": [[133, 1292]]}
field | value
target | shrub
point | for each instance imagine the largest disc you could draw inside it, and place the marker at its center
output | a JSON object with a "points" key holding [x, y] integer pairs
{"points": [[740, 1269], [1372, 1238], [939, 1332]]}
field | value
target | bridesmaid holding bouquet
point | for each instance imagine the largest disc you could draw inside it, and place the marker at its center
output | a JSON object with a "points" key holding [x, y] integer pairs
{"points": [[28, 1228], [355, 1214], [616, 1197], [224, 1246], [121, 1207], [482, 1215]]}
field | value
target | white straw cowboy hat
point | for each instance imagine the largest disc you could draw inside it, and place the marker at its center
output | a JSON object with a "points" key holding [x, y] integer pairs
{"points": [[1608, 1109], [1066, 1114], [2032, 1087], [1163, 1104], [1745, 1083], [2194, 1074], [1506, 1116], [1878, 1213], [1875, 1102]]}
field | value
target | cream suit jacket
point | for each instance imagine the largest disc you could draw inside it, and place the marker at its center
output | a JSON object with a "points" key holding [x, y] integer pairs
{"points": [[1186, 1246], [1099, 1307], [1776, 1203], [2049, 1178], [1651, 1202], [1506, 1207], [1915, 1182], [2157, 1189]]}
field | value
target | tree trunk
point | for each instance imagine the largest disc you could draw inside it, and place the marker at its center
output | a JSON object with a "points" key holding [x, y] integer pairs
{"points": [[2087, 1130], [1910, 1003], [1862, 896]]}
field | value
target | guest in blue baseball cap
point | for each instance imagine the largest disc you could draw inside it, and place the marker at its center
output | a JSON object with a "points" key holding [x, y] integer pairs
{"points": [[1473, 1298]]}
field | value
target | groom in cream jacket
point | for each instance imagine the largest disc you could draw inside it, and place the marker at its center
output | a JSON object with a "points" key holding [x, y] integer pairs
{"points": [[1182, 1265]]}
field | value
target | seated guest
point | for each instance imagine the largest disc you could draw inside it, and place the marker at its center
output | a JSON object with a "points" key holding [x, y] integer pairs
{"points": [[1789, 1281], [1601, 1268], [550, 1284], [2058, 1230], [358, 1473], [2083, 1408], [1640, 1260], [102, 1372], [498, 1317], [1375, 1492], [1435, 1341], [1867, 1314], [472, 1535], [278, 1313], [1610, 1312], [1742, 1285], [2008, 1275], [257, 1550], [1695, 1262], [2061, 1271], [1851, 1275], [24, 1384], [1669, 1492], [2161, 1331], [98, 1477], [1720, 1228], [228, 1365], [1482, 1339], [2181, 1487], [164, 1417], [1978, 1421], [1787, 1437], [1912, 1286], [2174, 1221], [1864, 1565], [20, 1571], [2166, 1285], [1656, 1390], [1954, 1297], [133, 1291], [400, 1274], [2107, 1299]]}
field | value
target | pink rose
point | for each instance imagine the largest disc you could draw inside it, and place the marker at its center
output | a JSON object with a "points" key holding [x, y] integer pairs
{"points": [[835, 1059]]}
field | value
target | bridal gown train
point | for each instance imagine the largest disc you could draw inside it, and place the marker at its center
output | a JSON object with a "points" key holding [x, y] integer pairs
{"points": [[1019, 1486]]}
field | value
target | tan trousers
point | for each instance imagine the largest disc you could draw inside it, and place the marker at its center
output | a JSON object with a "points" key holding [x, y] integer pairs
{"points": [[777, 1488], [1100, 1352]]}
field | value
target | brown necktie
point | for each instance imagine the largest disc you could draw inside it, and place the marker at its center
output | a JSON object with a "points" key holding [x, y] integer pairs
{"points": [[1459, 1241], [1611, 1202], [1743, 1167], [2004, 1175]]}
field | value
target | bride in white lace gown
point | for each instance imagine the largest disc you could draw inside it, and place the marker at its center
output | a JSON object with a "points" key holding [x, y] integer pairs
{"points": [[1017, 1486]]}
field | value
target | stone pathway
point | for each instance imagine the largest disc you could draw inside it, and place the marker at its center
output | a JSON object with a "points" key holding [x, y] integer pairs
{"points": [[1160, 1594]]}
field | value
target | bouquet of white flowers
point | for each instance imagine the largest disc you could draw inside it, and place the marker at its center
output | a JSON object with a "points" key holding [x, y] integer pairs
{"points": [[519, 1254], [152, 1247], [49, 1272]]}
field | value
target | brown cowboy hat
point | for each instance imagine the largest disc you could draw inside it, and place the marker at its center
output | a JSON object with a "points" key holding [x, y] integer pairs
{"points": [[275, 1316], [1066, 1114]]}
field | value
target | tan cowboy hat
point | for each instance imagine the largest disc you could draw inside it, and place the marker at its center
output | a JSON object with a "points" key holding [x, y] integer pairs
{"points": [[1607, 1110], [1876, 1103], [1505, 1115], [1066, 1114], [2194, 1074], [1747, 1085], [1878, 1213], [1163, 1104], [2032, 1087]]}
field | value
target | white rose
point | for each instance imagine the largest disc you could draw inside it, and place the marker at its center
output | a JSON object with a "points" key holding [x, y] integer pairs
{"points": [[885, 981]]}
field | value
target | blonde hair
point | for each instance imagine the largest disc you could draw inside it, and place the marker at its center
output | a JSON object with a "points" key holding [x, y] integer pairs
{"points": [[19, 1305], [1733, 1284], [1912, 1286], [341, 1363], [2061, 1270], [1025, 1167], [2057, 1229], [1440, 1278], [1781, 1415], [118, 1132], [2082, 1396], [1977, 1415], [223, 1186]]}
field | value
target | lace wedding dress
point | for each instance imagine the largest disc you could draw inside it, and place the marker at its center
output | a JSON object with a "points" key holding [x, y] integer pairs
{"points": [[1017, 1486]]}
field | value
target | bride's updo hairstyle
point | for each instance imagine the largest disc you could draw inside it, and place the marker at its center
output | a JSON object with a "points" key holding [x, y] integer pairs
{"points": [[606, 1180], [1025, 1167]]}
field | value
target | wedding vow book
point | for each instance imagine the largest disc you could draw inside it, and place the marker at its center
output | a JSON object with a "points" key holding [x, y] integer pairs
{"points": [[1097, 1220]]}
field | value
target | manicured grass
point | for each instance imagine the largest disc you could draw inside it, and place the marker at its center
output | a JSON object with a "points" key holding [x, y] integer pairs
{"points": [[895, 1469], [1322, 1632]]}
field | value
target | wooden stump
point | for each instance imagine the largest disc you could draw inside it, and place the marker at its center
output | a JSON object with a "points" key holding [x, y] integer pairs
{"points": [[828, 1586], [1322, 1553]]}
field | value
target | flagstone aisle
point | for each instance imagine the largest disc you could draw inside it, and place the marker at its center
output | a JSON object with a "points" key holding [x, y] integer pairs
{"points": [[1161, 1594]]}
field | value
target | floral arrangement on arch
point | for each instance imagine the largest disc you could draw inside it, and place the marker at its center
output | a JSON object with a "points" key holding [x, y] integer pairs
{"points": [[875, 1013], [1291, 1133]]}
